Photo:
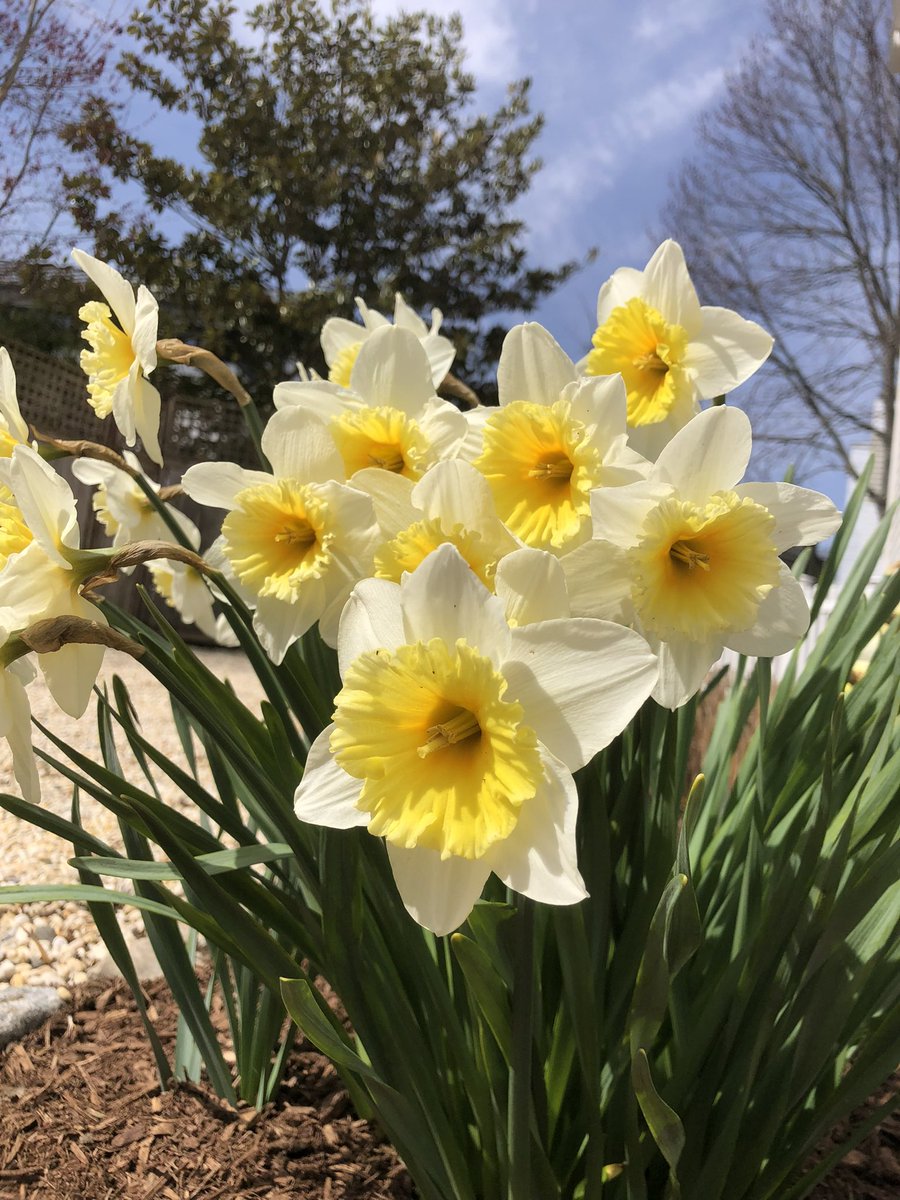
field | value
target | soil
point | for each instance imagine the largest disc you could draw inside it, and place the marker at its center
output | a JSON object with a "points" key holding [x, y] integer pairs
{"points": [[82, 1118]]}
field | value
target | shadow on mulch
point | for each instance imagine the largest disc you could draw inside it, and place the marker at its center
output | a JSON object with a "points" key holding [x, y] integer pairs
{"points": [[82, 1118]]}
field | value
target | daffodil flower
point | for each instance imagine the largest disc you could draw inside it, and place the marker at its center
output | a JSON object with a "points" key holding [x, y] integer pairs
{"points": [[342, 340], [122, 355], [13, 429], [122, 506], [553, 440], [42, 579], [187, 592], [294, 541], [452, 504], [15, 719], [671, 352], [390, 417], [690, 556], [455, 736]]}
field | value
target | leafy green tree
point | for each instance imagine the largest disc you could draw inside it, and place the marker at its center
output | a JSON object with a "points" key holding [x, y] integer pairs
{"points": [[336, 155]]}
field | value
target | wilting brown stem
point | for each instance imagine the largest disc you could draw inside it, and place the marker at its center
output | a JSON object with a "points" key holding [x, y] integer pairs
{"points": [[174, 350], [85, 449], [452, 386], [136, 553], [170, 492], [50, 635]]}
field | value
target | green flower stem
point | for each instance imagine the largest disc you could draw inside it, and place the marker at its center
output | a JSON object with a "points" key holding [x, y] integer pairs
{"points": [[519, 1126]]}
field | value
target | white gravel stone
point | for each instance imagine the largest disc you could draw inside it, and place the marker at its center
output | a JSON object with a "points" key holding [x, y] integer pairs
{"points": [[31, 856]]}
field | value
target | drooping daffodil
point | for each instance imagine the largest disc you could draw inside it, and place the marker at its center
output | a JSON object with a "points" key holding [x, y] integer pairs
{"points": [[122, 355], [186, 591], [553, 440], [690, 556], [671, 352], [15, 718], [389, 417], [43, 577], [342, 340], [13, 429], [455, 736], [294, 541], [123, 507]]}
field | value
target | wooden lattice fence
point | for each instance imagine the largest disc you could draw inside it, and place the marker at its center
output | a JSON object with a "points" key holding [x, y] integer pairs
{"points": [[53, 400]]}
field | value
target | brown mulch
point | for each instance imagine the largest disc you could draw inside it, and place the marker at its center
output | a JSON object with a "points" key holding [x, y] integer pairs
{"points": [[82, 1118]]}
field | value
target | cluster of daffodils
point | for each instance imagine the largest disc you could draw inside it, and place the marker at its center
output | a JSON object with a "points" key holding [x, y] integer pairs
{"points": [[505, 587]]}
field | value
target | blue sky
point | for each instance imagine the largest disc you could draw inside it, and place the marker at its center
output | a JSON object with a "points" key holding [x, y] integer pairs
{"points": [[621, 87]]}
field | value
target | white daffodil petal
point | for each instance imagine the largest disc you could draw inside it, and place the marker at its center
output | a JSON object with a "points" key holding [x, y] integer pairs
{"points": [[444, 426], [146, 324], [217, 483], [683, 666], [726, 351], [532, 586], [371, 620], [70, 673], [391, 495], [650, 440], [580, 682], [782, 620], [623, 285], [601, 402], [619, 512], [455, 493], [340, 334], [599, 578], [710, 454], [45, 501], [533, 366], [441, 352], [667, 287], [17, 731], [147, 406], [117, 290], [802, 517], [443, 598], [438, 893], [279, 623], [473, 442], [9, 403], [392, 371], [539, 858], [371, 317], [327, 795], [324, 399], [299, 446], [408, 318]]}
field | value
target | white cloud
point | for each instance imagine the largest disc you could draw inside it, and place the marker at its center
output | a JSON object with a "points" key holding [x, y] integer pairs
{"points": [[491, 32], [665, 21]]}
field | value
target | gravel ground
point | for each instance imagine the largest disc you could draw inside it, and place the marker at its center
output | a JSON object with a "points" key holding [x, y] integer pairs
{"points": [[56, 944]]}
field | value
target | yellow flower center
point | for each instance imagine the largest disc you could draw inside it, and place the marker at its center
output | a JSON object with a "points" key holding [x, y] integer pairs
{"points": [[110, 356], [541, 470], [412, 545], [381, 437], [447, 762], [342, 368], [704, 569], [14, 533], [640, 344], [276, 537], [8, 443]]}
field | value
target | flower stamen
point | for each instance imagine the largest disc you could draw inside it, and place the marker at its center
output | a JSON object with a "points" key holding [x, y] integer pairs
{"points": [[682, 552], [457, 728]]}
